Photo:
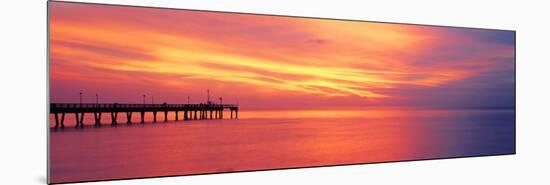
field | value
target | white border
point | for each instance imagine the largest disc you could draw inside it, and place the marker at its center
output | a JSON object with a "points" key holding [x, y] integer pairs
{"points": [[23, 55]]}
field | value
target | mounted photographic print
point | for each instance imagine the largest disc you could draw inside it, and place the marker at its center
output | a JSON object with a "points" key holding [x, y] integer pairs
{"points": [[138, 92]]}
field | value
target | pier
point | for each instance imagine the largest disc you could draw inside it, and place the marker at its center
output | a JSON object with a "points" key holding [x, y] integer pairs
{"points": [[187, 111]]}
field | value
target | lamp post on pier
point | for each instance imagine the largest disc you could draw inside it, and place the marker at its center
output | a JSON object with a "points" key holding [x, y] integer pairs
{"points": [[207, 96]]}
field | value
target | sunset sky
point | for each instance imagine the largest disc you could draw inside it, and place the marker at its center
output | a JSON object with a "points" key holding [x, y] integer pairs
{"points": [[122, 53]]}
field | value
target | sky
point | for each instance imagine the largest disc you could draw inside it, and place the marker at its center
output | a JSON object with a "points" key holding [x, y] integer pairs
{"points": [[272, 62]]}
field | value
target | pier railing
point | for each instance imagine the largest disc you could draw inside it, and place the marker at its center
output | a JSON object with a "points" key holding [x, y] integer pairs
{"points": [[54, 107]]}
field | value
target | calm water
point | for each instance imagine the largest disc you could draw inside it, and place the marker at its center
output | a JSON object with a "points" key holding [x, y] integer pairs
{"points": [[273, 139]]}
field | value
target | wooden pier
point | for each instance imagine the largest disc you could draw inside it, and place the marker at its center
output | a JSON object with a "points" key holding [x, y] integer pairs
{"points": [[188, 111]]}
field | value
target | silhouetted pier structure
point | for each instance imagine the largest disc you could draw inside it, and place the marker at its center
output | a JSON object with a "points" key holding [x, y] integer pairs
{"points": [[188, 111]]}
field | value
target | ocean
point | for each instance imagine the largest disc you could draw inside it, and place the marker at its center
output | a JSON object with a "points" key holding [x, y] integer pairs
{"points": [[272, 139]]}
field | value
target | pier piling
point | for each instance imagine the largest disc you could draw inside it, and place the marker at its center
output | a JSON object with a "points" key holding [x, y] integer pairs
{"points": [[77, 119], [97, 118], [114, 116], [129, 118]]}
